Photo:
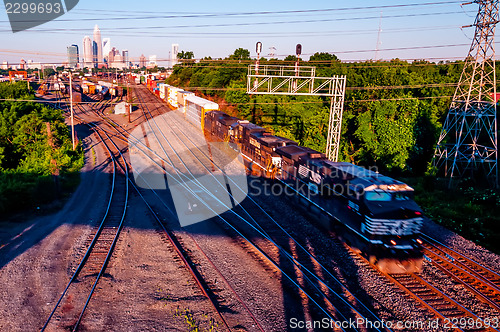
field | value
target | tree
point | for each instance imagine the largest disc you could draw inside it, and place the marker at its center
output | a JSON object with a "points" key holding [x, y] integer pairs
{"points": [[187, 55], [323, 59], [48, 71], [240, 54]]}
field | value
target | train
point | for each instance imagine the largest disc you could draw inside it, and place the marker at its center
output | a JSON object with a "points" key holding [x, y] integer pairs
{"points": [[374, 214]]}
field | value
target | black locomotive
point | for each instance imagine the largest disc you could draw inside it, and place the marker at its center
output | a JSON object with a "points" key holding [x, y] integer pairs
{"points": [[369, 211]]}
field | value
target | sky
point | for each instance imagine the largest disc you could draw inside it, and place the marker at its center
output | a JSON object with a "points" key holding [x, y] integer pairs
{"points": [[353, 30]]}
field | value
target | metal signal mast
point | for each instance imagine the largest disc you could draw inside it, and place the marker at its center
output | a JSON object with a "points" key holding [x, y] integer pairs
{"points": [[302, 81], [469, 140]]}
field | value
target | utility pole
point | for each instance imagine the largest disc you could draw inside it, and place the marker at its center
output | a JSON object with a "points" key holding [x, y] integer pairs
{"points": [[71, 108], [468, 144], [378, 36], [129, 106]]}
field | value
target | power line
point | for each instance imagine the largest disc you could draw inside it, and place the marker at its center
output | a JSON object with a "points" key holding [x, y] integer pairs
{"points": [[289, 11], [251, 103], [233, 24]]}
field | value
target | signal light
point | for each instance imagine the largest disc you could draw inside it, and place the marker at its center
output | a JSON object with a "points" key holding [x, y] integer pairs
{"points": [[418, 213], [419, 241], [393, 242]]}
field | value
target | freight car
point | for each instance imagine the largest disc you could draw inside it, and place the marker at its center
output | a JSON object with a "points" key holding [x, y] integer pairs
{"points": [[102, 94], [374, 214], [195, 109]]}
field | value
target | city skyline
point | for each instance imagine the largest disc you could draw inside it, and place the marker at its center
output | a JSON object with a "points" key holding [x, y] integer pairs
{"points": [[361, 31]]}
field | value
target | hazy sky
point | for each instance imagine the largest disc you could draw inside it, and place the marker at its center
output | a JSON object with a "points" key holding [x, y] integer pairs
{"points": [[350, 29]]}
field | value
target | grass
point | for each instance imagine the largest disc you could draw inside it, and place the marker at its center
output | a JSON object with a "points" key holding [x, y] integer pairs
{"points": [[469, 211], [193, 325], [94, 157]]}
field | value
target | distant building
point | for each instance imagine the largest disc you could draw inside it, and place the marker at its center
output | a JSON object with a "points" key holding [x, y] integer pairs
{"points": [[5, 65], [152, 61], [87, 52], [33, 65], [125, 58], [94, 54], [106, 48], [142, 61], [175, 51], [22, 64], [73, 56], [98, 47]]}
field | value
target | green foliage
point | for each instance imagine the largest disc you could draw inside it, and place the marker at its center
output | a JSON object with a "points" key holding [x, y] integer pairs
{"points": [[395, 129], [469, 211], [185, 55], [240, 54], [28, 162]]}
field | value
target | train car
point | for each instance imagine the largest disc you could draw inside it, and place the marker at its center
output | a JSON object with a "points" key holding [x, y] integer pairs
{"points": [[172, 96], [181, 98], [163, 91], [374, 214], [261, 149], [102, 93], [371, 212], [218, 125], [195, 109], [242, 130]]}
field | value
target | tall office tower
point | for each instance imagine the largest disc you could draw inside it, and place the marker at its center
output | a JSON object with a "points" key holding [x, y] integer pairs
{"points": [[152, 61], [98, 45], [94, 54], [125, 58], [87, 52], [142, 61], [175, 50], [106, 48], [73, 58]]}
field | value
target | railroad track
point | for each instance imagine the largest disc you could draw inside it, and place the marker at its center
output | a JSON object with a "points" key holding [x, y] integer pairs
{"points": [[332, 303], [68, 311], [168, 235], [477, 278], [447, 313]]}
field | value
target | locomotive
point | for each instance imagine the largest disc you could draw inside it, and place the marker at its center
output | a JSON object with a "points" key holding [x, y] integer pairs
{"points": [[374, 214]]}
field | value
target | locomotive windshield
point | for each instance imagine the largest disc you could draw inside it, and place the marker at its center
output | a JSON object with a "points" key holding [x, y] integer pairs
{"points": [[384, 196], [379, 196]]}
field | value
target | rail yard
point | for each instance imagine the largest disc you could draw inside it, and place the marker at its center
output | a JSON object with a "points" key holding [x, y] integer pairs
{"points": [[120, 256]]}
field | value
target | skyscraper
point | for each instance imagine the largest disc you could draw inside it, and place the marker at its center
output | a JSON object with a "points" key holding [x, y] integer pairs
{"points": [[152, 61], [106, 48], [94, 55], [175, 50], [87, 52], [73, 56], [98, 46], [142, 61], [125, 58]]}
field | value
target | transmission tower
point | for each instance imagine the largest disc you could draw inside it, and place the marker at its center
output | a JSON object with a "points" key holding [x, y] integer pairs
{"points": [[468, 143]]}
